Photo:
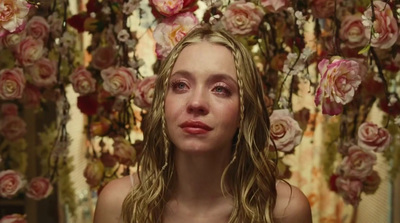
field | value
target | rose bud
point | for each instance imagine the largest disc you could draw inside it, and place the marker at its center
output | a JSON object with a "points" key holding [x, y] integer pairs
{"points": [[101, 127], [124, 151], [108, 160], [94, 173]]}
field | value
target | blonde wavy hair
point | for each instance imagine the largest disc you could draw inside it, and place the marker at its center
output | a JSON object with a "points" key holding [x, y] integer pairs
{"points": [[250, 176]]}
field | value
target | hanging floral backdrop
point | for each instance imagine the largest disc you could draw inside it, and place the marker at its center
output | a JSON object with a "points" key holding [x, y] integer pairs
{"points": [[346, 54]]}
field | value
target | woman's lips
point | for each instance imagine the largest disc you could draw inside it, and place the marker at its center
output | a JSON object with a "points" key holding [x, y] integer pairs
{"points": [[195, 127]]}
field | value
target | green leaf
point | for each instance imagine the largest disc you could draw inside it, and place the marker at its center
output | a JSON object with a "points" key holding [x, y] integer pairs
{"points": [[365, 49]]}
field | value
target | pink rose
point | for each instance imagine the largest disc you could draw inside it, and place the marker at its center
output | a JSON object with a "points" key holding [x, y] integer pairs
{"points": [[124, 151], [169, 32], [352, 31], [9, 109], [119, 81], [38, 28], [242, 18], [11, 182], [384, 28], [13, 15], [323, 8], [32, 96], [13, 218], [275, 5], [338, 84], [103, 57], [285, 131], [144, 92], [349, 189], [168, 7], [373, 137], [12, 127], [94, 173], [11, 40], [12, 83], [39, 188], [82, 81], [358, 163], [43, 72], [55, 23], [28, 51]]}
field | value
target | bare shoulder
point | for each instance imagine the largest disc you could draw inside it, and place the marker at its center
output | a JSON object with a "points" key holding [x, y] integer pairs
{"points": [[291, 204], [109, 203]]}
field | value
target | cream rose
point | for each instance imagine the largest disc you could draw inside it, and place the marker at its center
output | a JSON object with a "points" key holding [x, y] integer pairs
{"points": [[144, 92], [11, 182], [358, 163], [12, 83], [124, 151], [12, 127], [39, 188], [285, 131], [43, 72], [385, 31], [38, 27], [372, 137], [82, 81], [119, 81], [242, 18], [169, 32], [13, 15], [28, 51]]}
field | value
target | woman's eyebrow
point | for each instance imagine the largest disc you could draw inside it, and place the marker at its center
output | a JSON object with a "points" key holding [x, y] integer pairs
{"points": [[183, 73], [223, 77]]}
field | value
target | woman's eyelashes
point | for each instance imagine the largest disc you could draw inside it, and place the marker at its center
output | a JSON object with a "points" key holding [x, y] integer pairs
{"points": [[180, 86], [222, 89]]}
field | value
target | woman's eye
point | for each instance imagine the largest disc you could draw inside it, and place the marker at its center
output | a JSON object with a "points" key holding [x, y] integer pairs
{"points": [[222, 90], [179, 86]]}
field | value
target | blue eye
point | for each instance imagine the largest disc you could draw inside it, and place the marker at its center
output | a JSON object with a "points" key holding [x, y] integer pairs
{"points": [[221, 90], [179, 86]]}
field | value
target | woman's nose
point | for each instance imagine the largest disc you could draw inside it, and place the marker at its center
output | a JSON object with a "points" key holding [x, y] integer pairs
{"points": [[198, 103]]}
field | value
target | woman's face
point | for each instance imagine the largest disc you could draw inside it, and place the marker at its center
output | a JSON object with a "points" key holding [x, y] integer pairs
{"points": [[202, 101]]}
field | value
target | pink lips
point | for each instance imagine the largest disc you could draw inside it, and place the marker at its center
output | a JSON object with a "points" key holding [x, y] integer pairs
{"points": [[195, 127]]}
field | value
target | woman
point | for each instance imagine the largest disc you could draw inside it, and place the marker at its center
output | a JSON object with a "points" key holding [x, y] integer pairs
{"points": [[206, 145]]}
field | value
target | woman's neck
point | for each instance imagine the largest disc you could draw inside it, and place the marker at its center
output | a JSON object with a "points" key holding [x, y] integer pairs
{"points": [[198, 177]]}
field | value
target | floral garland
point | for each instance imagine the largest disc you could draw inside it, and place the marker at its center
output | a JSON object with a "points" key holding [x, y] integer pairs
{"points": [[38, 52], [354, 45]]}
